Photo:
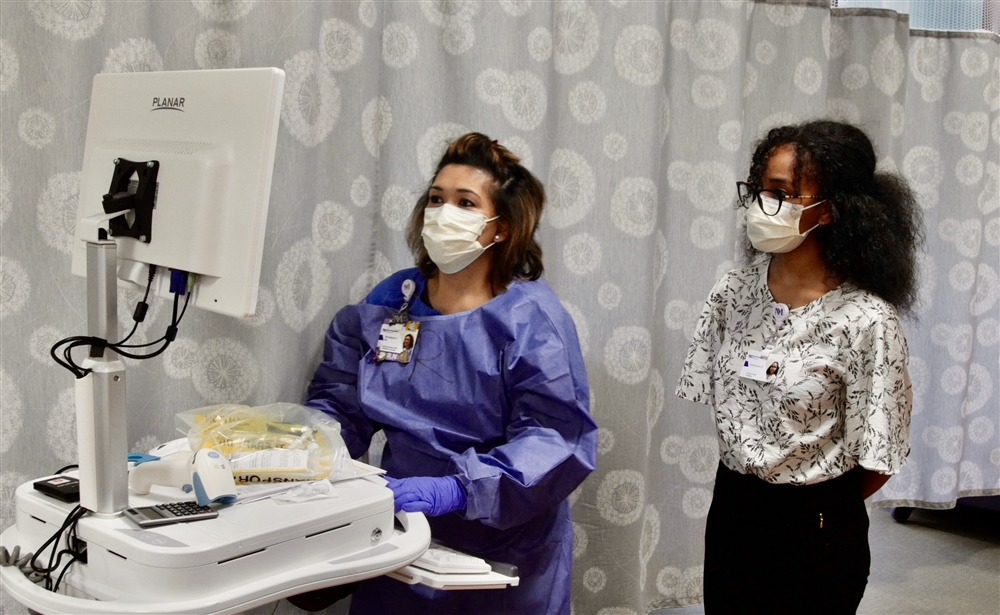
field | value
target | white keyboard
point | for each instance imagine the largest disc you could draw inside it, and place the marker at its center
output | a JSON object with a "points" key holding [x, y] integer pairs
{"points": [[443, 560]]}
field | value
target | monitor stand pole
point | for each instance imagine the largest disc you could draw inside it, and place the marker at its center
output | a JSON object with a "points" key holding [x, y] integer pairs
{"points": [[102, 437]]}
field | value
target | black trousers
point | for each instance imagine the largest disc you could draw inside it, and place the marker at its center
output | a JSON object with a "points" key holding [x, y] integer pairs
{"points": [[785, 549]]}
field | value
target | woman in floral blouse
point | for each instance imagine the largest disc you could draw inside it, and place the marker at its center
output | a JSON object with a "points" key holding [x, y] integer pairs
{"points": [[833, 243]]}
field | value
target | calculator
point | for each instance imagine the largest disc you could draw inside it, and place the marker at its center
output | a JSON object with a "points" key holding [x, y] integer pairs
{"points": [[172, 512]]}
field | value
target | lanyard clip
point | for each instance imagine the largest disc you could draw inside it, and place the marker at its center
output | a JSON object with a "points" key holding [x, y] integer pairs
{"points": [[403, 315]]}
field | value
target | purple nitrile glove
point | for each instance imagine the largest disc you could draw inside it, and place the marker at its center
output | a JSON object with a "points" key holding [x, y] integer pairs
{"points": [[431, 495]]}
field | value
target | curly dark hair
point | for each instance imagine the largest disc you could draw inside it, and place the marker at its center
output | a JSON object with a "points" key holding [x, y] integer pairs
{"points": [[518, 197], [877, 224]]}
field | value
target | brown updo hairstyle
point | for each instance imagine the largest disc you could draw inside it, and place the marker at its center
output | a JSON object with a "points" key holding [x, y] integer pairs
{"points": [[518, 197]]}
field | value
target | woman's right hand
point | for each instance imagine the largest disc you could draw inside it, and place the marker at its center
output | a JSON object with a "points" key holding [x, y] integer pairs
{"points": [[431, 495]]}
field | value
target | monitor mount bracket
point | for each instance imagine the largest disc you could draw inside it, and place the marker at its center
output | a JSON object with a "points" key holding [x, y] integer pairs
{"points": [[139, 199]]}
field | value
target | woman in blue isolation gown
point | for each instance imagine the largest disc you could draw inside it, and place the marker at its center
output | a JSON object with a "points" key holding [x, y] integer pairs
{"points": [[486, 416]]}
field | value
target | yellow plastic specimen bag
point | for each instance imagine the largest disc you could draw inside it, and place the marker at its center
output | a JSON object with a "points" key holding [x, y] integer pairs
{"points": [[273, 443]]}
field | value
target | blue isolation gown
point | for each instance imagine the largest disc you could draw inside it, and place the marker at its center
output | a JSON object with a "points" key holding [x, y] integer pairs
{"points": [[496, 396]]}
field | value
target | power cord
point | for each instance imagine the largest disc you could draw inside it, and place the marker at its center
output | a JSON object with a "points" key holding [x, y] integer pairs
{"points": [[181, 284], [76, 554], [55, 557], [42, 575]]}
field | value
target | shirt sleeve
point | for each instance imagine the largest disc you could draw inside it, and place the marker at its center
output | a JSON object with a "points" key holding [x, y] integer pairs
{"points": [[551, 439], [334, 386], [878, 396], [697, 380]]}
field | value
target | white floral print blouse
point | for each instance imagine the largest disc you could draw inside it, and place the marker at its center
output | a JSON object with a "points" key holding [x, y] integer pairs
{"points": [[841, 394]]}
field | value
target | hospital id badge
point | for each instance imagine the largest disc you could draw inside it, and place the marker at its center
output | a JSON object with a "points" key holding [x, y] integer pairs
{"points": [[760, 365], [397, 341]]}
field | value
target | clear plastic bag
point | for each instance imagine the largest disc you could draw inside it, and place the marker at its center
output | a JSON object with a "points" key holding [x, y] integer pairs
{"points": [[273, 443]]}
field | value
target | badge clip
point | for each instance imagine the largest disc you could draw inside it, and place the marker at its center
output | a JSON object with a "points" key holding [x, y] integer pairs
{"points": [[397, 339]]}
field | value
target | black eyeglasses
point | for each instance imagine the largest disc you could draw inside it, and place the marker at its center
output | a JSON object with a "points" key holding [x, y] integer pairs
{"points": [[775, 198]]}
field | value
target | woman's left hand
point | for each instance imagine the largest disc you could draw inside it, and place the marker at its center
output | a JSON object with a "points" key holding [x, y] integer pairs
{"points": [[431, 495]]}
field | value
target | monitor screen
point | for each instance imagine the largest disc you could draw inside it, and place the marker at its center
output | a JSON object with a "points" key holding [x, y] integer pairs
{"points": [[209, 136]]}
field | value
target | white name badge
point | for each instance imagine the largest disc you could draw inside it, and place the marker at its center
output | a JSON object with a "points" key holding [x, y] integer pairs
{"points": [[760, 365], [396, 341]]}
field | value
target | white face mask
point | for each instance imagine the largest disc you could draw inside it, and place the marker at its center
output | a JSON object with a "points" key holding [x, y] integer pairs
{"points": [[780, 232], [451, 236]]}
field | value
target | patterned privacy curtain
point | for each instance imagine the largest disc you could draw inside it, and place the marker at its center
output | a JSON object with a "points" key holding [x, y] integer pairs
{"points": [[638, 117]]}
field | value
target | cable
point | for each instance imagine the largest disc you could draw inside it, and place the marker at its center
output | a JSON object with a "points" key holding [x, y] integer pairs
{"points": [[68, 344], [55, 558], [139, 314], [75, 556], [71, 518]]}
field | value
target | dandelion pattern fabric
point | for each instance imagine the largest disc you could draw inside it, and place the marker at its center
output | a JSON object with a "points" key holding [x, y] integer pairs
{"points": [[638, 118], [841, 395]]}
